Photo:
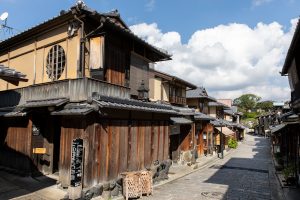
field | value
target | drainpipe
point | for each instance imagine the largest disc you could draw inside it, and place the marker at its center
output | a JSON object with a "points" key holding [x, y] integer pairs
{"points": [[81, 49]]}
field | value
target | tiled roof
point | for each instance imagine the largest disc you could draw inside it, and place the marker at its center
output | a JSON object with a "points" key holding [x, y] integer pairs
{"points": [[45, 102], [217, 104], [199, 92], [7, 73], [12, 112], [220, 122], [131, 104], [183, 110], [277, 128], [180, 120], [202, 116], [75, 109], [229, 112]]}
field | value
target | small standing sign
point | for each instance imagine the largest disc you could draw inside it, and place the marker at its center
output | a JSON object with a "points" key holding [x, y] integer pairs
{"points": [[76, 162]]}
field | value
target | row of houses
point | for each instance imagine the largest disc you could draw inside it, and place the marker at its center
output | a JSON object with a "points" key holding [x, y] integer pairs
{"points": [[84, 79], [283, 123]]}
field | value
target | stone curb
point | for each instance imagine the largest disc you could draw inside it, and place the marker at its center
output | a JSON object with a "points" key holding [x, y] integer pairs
{"points": [[275, 184]]}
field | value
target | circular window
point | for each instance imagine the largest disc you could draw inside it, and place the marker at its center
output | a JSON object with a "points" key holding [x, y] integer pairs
{"points": [[56, 60]]}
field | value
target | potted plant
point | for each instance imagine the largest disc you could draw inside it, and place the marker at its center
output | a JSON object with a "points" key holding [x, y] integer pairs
{"points": [[287, 173]]}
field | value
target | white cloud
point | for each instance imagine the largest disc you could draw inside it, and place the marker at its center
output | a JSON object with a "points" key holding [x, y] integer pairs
{"points": [[260, 2], [229, 60]]}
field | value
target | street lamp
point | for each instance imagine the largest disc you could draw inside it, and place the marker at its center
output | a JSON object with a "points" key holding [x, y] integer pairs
{"points": [[143, 92]]}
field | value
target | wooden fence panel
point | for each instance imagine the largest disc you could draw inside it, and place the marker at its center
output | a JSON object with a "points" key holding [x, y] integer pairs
{"points": [[133, 148], [148, 143], [155, 138], [141, 145], [104, 150], [114, 149], [161, 142], [123, 158], [166, 141]]}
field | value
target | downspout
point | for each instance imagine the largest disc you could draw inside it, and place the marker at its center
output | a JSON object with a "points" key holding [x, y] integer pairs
{"points": [[81, 48]]}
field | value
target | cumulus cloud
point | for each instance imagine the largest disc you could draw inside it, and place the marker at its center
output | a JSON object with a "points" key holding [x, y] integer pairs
{"points": [[229, 60]]}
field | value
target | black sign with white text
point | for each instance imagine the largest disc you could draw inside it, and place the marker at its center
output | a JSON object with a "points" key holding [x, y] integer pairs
{"points": [[76, 162]]}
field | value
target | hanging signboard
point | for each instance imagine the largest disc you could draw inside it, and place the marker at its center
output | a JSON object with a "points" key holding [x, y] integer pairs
{"points": [[76, 162]]}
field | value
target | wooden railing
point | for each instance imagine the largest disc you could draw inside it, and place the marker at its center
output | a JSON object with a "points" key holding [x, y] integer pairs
{"points": [[177, 100], [74, 89]]}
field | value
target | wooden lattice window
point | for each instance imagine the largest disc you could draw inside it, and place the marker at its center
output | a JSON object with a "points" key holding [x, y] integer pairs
{"points": [[56, 60]]}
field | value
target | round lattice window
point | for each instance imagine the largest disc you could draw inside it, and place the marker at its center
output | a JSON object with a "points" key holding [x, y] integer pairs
{"points": [[56, 60]]}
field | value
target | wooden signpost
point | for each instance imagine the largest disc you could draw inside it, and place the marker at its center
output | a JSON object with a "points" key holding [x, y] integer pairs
{"points": [[76, 169]]}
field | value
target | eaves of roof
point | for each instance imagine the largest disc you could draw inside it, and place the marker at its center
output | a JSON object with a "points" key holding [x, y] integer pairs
{"points": [[291, 51], [39, 28], [171, 78], [68, 15]]}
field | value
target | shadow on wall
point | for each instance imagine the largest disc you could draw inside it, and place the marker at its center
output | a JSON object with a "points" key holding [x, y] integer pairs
{"points": [[17, 170]]}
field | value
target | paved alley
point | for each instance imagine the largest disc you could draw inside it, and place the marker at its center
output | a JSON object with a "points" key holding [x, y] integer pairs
{"points": [[243, 174]]}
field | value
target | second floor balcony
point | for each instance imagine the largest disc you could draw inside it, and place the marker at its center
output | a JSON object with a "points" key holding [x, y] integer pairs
{"points": [[75, 90], [177, 100]]}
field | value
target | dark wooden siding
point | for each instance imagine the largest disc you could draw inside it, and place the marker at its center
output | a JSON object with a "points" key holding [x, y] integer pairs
{"points": [[15, 143], [139, 70], [112, 147]]}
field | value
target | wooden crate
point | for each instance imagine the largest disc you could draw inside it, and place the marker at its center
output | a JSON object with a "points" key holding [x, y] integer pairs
{"points": [[132, 185], [146, 182]]}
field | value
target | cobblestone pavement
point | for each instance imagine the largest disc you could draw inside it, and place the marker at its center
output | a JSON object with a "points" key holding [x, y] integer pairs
{"points": [[244, 174]]}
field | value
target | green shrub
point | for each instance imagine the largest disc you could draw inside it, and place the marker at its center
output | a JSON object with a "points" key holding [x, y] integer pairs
{"points": [[232, 143], [288, 171]]}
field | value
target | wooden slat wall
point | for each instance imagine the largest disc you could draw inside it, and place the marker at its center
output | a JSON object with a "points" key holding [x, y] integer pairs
{"points": [[166, 141], [133, 147], [15, 136], [148, 145], [161, 142], [123, 158], [18, 137], [112, 147], [115, 64], [155, 139]]}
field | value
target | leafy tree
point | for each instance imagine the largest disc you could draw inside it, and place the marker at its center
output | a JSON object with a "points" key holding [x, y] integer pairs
{"points": [[264, 105], [247, 101]]}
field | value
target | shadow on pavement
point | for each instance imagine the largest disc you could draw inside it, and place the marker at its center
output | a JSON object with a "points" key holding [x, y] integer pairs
{"points": [[247, 177]]}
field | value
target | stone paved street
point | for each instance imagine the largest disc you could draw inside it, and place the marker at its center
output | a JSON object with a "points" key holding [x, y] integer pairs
{"points": [[243, 174]]}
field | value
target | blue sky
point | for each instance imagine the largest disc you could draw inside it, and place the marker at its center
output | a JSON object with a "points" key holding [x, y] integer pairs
{"points": [[231, 47], [184, 17]]}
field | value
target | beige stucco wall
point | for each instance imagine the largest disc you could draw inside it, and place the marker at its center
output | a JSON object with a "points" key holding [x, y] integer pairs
{"points": [[157, 89], [193, 103], [228, 118], [165, 91], [30, 57], [212, 111]]}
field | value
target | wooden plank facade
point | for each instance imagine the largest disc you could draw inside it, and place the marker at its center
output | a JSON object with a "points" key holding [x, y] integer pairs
{"points": [[113, 146]]}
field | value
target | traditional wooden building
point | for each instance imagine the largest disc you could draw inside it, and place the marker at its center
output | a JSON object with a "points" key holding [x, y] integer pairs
{"points": [[82, 68], [171, 90], [199, 100], [291, 68]]}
